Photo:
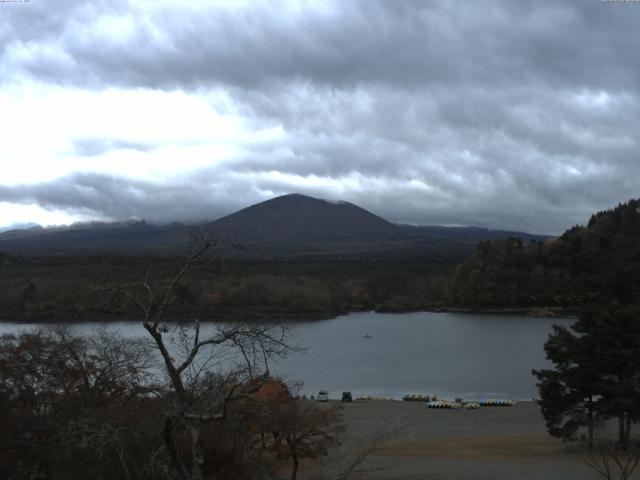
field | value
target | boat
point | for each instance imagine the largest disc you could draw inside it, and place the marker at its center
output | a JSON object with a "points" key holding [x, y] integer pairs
{"points": [[497, 403]]}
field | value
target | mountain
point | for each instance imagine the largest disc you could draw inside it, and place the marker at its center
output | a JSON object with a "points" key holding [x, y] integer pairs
{"points": [[96, 237], [290, 225], [298, 217]]}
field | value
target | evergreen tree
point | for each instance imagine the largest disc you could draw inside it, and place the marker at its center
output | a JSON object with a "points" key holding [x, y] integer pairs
{"points": [[596, 374], [567, 392]]}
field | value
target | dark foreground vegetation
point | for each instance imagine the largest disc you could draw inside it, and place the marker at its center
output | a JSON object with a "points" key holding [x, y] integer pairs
{"points": [[86, 408], [596, 374], [593, 388]]}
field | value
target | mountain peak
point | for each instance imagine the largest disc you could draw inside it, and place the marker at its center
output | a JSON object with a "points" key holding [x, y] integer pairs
{"points": [[299, 197], [297, 216]]}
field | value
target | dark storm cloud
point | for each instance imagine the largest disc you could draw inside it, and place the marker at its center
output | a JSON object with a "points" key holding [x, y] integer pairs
{"points": [[208, 195], [120, 199], [498, 113], [342, 44]]}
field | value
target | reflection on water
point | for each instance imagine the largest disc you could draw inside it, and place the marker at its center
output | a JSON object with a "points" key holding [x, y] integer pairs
{"points": [[472, 356]]}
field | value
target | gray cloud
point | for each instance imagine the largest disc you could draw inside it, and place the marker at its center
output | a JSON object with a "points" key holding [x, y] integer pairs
{"points": [[120, 199], [505, 114], [404, 43], [208, 195]]}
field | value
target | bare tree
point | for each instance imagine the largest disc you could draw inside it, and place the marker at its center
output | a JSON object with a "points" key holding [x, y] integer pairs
{"points": [[307, 430], [612, 462], [188, 359], [355, 463]]}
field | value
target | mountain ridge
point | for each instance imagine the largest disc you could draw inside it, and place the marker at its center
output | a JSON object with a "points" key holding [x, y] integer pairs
{"points": [[292, 224]]}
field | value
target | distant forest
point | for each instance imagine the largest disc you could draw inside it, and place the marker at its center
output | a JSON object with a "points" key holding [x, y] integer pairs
{"points": [[597, 263], [591, 264], [45, 288]]}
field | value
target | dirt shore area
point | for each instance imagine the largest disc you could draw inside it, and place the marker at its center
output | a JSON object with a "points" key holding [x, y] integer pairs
{"points": [[491, 443]]}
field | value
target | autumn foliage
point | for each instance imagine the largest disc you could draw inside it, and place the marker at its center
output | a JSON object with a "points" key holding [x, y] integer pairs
{"points": [[75, 407]]}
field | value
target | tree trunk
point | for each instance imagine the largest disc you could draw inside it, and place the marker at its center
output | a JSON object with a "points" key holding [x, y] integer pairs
{"points": [[294, 458], [197, 450], [167, 435], [627, 430], [277, 441], [591, 420], [622, 436]]}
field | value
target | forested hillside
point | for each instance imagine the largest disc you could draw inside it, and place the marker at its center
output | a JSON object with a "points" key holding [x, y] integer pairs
{"points": [[52, 288], [587, 264]]}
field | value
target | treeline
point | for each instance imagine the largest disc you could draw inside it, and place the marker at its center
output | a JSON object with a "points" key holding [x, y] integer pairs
{"points": [[49, 289], [597, 263]]}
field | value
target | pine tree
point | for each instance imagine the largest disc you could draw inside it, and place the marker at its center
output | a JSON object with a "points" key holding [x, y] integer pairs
{"points": [[596, 374]]}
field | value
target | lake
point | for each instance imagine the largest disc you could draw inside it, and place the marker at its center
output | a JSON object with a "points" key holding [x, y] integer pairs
{"points": [[473, 356]]}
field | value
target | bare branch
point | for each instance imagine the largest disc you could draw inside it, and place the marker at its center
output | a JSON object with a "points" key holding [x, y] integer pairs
{"points": [[610, 461], [169, 291], [145, 308]]}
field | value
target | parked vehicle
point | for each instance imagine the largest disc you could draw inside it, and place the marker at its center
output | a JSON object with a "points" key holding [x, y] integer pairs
{"points": [[323, 396], [347, 397]]}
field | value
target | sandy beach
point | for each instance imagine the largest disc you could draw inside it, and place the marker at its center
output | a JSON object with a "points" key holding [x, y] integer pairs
{"points": [[491, 443]]}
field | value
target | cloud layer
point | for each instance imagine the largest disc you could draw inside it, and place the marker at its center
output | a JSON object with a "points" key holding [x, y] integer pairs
{"points": [[520, 115]]}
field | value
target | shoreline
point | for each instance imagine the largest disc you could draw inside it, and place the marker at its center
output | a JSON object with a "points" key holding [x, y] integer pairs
{"points": [[288, 317], [539, 311]]}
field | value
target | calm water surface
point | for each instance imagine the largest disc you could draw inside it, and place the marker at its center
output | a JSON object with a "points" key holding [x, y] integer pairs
{"points": [[473, 356]]}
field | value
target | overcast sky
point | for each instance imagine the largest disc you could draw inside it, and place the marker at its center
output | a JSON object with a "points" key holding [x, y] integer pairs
{"points": [[506, 114]]}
